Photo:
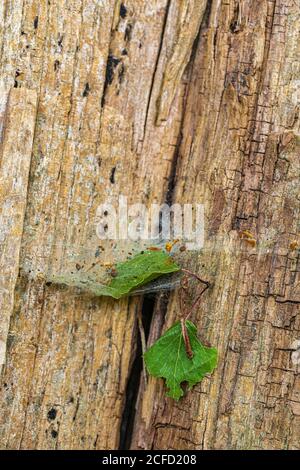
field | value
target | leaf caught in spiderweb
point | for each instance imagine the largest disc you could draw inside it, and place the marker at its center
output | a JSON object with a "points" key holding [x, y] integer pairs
{"points": [[128, 275], [116, 270], [167, 358]]}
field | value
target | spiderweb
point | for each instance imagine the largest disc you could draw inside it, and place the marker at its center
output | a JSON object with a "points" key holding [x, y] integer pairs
{"points": [[89, 267]]}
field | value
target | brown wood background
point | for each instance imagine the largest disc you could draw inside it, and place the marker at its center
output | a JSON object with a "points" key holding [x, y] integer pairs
{"points": [[168, 100]]}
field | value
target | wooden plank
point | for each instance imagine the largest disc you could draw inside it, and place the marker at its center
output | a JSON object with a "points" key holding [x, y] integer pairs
{"points": [[69, 356], [19, 113], [240, 157]]}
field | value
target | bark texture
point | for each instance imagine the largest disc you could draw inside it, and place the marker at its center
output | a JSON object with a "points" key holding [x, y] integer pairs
{"points": [[169, 100]]}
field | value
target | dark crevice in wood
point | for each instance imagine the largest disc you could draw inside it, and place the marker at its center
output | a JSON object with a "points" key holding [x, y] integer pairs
{"points": [[133, 385], [111, 65], [189, 67], [172, 177], [163, 300], [160, 305]]}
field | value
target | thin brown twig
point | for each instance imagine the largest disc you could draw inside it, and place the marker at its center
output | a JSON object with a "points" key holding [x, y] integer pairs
{"points": [[143, 341], [190, 273], [186, 315], [186, 339]]}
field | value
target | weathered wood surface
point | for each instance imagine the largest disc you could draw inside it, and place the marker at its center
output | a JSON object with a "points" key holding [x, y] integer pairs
{"points": [[186, 101], [17, 138]]}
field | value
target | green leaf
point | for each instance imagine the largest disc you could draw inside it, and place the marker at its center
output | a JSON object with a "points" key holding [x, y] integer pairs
{"points": [[130, 274], [139, 270], [167, 358]]}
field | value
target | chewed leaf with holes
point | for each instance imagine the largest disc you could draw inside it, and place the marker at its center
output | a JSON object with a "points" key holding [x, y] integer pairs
{"points": [[129, 275], [167, 358]]}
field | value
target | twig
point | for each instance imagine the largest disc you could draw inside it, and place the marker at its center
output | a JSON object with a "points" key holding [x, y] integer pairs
{"points": [[143, 342], [186, 339], [186, 315]]}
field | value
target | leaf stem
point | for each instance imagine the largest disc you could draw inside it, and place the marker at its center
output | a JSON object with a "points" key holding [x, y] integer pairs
{"points": [[186, 315], [186, 339], [143, 341]]}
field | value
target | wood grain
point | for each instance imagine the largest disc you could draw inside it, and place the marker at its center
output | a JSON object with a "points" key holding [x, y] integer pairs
{"points": [[169, 101], [18, 121]]}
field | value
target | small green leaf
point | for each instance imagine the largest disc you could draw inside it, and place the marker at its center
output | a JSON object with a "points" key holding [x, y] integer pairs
{"points": [[133, 273], [167, 358], [139, 270]]}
